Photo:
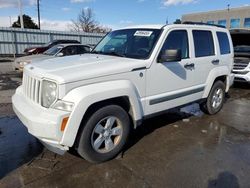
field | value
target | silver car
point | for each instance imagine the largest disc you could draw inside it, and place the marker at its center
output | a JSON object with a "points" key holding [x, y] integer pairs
{"points": [[59, 50]]}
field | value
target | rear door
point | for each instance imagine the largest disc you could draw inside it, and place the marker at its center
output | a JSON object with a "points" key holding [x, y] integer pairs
{"points": [[171, 84], [204, 54]]}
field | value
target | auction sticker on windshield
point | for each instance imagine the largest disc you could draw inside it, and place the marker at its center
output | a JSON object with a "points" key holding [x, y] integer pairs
{"points": [[143, 33]]}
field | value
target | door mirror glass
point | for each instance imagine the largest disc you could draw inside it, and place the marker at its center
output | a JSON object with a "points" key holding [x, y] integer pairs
{"points": [[172, 55]]}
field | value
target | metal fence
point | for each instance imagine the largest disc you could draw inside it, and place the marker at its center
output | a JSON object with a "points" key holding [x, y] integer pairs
{"points": [[13, 41]]}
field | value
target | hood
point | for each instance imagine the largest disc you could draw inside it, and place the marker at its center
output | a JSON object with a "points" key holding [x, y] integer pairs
{"points": [[33, 58], [81, 67], [35, 47]]}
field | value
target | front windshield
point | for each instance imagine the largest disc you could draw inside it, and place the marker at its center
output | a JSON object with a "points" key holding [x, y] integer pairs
{"points": [[131, 43], [54, 50], [242, 49]]}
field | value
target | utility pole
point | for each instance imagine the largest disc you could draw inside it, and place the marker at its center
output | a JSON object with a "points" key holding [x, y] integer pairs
{"points": [[21, 13], [38, 11]]}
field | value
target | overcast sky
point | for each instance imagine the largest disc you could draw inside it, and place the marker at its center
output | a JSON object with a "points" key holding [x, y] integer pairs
{"points": [[57, 14]]}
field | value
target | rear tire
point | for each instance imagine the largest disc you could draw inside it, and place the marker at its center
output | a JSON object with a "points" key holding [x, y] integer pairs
{"points": [[104, 134], [215, 100]]}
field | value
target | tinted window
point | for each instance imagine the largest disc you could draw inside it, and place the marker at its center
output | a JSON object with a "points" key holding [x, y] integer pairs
{"points": [[222, 23], [235, 23], [223, 42], [70, 50], [83, 49], [203, 43], [177, 40], [247, 23], [211, 22]]}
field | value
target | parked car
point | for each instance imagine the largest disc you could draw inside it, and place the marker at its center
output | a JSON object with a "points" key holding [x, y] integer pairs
{"points": [[54, 52], [90, 103], [241, 41], [41, 49]]}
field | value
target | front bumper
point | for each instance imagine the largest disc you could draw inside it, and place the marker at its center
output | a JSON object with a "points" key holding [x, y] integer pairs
{"points": [[231, 79], [42, 123], [242, 76], [17, 67]]}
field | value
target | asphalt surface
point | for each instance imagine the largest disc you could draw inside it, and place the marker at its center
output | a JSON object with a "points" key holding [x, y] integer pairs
{"points": [[176, 149]]}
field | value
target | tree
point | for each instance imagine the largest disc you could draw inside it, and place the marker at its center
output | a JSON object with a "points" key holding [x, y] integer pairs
{"points": [[27, 22], [177, 21], [86, 22]]}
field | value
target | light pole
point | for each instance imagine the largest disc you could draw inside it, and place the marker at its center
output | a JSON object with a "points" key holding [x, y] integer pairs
{"points": [[21, 13], [38, 12]]}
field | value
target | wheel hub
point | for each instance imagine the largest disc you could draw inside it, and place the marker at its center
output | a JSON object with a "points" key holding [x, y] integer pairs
{"points": [[106, 134], [217, 98]]}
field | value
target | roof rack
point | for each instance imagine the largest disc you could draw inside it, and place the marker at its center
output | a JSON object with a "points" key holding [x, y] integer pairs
{"points": [[201, 23]]}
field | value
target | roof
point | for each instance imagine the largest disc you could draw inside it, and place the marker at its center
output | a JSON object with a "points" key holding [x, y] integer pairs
{"points": [[156, 26], [71, 44], [205, 26], [217, 11], [240, 31]]}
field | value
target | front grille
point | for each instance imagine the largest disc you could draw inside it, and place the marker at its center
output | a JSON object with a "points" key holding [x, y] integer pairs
{"points": [[239, 79], [241, 63], [32, 88]]}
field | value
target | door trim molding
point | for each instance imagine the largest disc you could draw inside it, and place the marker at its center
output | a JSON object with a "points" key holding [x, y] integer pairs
{"points": [[177, 95]]}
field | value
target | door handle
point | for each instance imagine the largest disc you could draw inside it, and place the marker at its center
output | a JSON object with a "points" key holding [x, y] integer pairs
{"points": [[189, 66], [216, 61]]}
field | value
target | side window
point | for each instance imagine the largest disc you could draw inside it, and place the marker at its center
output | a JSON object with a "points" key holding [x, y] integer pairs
{"points": [[177, 39], [203, 43], [70, 50], [223, 42], [83, 49]]}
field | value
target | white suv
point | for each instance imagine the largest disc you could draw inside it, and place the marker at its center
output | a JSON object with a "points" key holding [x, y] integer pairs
{"points": [[241, 43], [90, 102]]}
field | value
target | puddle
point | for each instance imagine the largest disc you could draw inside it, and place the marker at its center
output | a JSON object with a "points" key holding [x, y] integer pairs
{"points": [[9, 81], [193, 109], [17, 146]]}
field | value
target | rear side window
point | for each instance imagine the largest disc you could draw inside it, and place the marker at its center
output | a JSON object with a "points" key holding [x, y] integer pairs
{"points": [[223, 42], [203, 43]]}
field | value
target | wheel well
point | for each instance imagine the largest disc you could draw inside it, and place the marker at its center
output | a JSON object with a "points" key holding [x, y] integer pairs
{"points": [[122, 101], [221, 78]]}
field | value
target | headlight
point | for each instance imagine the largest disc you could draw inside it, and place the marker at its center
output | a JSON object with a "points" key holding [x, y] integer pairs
{"points": [[49, 93], [23, 63], [32, 50], [63, 105]]}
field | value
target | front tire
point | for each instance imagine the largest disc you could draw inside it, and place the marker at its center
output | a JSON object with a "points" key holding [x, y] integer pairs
{"points": [[215, 100], [104, 134]]}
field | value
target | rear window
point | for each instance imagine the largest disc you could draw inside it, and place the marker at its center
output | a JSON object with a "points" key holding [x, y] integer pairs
{"points": [[223, 42], [203, 43]]}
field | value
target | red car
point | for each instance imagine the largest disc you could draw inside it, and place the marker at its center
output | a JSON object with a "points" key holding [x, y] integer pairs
{"points": [[41, 49]]}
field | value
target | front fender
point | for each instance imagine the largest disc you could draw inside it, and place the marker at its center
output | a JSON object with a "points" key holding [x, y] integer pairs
{"points": [[85, 96], [215, 73]]}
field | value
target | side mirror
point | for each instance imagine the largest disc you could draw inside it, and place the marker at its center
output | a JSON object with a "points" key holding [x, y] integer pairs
{"points": [[171, 56], [60, 54]]}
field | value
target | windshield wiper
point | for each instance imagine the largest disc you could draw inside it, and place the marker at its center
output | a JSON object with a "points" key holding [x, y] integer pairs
{"points": [[108, 53], [115, 54], [96, 52]]}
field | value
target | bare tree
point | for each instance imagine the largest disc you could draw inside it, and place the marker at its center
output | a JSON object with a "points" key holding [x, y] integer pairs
{"points": [[86, 22]]}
